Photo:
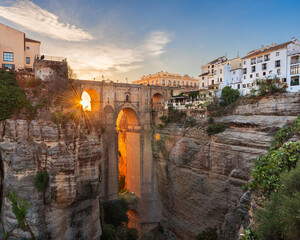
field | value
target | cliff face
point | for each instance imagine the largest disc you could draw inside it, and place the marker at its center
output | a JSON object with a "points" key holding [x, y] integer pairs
{"points": [[69, 208], [200, 177]]}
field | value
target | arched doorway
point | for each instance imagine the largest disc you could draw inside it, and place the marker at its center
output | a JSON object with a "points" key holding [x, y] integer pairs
{"points": [[157, 102], [157, 108], [90, 100], [128, 151]]}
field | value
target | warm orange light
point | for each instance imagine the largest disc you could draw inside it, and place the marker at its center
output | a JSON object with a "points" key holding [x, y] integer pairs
{"points": [[157, 137], [86, 101]]}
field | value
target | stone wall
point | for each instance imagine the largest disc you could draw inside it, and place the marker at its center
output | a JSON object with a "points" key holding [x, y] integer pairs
{"points": [[200, 177], [69, 207]]}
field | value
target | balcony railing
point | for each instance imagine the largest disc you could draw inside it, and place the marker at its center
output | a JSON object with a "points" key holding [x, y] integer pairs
{"points": [[295, 61], [49, 58]]}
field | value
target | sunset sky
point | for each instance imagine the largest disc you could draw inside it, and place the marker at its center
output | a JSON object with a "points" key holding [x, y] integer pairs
{"points": [[128, 39]]}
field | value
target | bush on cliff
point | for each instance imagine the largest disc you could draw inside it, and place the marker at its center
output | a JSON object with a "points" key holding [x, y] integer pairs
{"points": [[41, 180], [229, 95], [280, 217], [12, 97], [215, 128], [115, 212]]}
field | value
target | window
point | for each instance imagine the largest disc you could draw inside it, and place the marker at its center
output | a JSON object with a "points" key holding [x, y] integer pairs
{"points": [[202, 78], [233, 72], [283, 79], [270, 71], [8, 57], [244, 77], [212, 66], [277, 54], [9, 66], [295, 69], [267, 57], [244, 85], [253, 69], [252, 84], [294, 81], [27, 48], [239, 86], [278, 71], [264, 73], [244, 62], [127, 98], [27, 60], [212, 81], [277, 63], [259, 59], [264, 66], [202, 84], [220, 79], [253, 61], [244, 70], [163, 81], [248, 84], [212, 71], [220, 70], [250, 75], [257, 74]]}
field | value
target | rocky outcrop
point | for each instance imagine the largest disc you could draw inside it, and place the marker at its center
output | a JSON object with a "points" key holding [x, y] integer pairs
{"points": [[69, 207], [200, 178]]}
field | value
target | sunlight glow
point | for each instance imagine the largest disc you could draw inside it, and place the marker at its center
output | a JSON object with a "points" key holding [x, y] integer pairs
{"points": [[86, 101]]}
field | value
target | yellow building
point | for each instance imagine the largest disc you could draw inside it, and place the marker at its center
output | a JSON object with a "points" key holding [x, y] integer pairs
{"points": [[16, 51], [168, 79]]}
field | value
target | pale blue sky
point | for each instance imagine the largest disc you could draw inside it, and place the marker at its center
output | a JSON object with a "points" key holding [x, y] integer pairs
{"points": [[120, 39]]}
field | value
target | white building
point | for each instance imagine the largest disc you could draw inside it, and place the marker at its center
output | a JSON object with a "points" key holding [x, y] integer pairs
{"points": [[272, 60], [221, 72]]}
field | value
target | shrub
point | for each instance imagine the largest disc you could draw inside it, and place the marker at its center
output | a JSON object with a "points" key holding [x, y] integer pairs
{"points": [[164, 119], [12, 97], [208, 234], [215, 128], [108, 232], [211, 120], [229, 95], [267, 86], [190, 122], [41, 180], [279, 219], [115, 212], [19, 208]]}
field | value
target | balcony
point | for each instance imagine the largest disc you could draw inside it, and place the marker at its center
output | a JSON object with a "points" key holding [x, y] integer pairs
{"points": [[39, 57], [295, 61]]}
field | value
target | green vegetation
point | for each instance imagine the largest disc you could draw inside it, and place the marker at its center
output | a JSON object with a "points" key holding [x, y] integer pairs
{"points": [[280, 217], [215, 128], [276, 179], [116, 220], [229, 96], [267, 86], [41, 180], [12, 97], [193, 94], [174, 116], [156, 233], [19, 208], [208, 234], [279, 158]]}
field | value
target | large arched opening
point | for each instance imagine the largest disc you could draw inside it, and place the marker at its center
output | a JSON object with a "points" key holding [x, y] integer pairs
{"points": [[128, 151], [90, 100]]}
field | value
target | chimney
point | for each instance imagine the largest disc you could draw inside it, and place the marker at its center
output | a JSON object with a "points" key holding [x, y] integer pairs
{"points": [[262, 47]]}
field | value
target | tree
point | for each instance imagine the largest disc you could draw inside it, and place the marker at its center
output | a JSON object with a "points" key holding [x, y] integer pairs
{"points": [[229, 95], [71, 74]]}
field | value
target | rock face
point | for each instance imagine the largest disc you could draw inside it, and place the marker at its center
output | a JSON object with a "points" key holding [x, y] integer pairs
{"points": [[69, 207], [200, 177]]}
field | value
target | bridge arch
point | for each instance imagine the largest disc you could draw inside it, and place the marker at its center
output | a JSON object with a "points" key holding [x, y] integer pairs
{"points": [[127, 126], [157, 101], [134, 220], [90, 100]]}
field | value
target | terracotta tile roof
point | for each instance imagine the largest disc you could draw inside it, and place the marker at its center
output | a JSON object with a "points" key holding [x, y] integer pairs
{"points": [[203, 74], [31, 40], [270, 49], [216, 60]]}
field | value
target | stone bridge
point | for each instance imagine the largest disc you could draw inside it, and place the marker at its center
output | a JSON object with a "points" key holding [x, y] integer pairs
{"points": [[126, 113]]}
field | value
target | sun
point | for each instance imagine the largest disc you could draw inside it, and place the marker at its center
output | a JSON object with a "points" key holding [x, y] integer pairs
{"points": [[86, 101]]}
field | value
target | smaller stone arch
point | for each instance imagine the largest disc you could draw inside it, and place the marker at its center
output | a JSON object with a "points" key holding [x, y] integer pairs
{"points": [[134, 220], [158, 102], [94, 101]]}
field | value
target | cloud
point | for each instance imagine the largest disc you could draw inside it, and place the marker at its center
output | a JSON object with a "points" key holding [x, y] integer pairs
{"points": [[34, 18], [89, 59], [156, 43]]}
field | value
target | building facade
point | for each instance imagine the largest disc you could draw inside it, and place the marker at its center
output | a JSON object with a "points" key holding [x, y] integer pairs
{"points": [[169, 79], [16, 51], [281, 61]]}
